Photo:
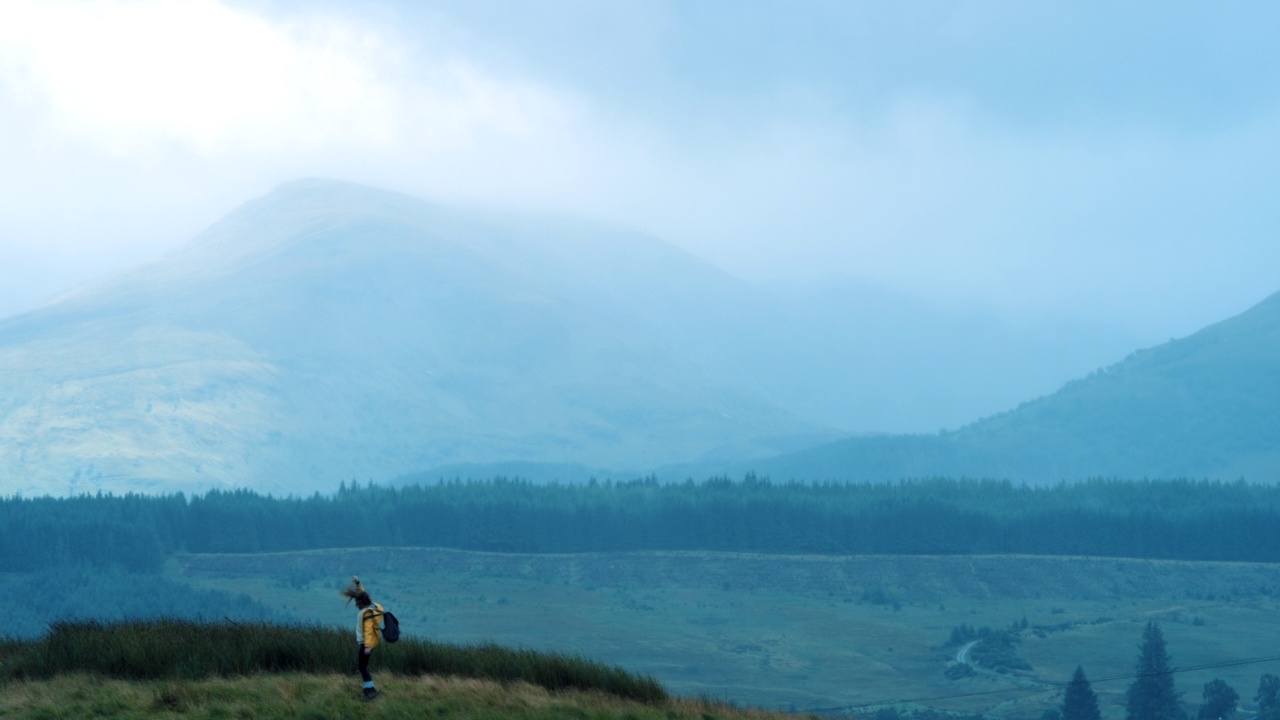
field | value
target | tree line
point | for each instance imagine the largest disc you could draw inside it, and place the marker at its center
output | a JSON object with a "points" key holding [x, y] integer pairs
{"points": [[1158, 519]]}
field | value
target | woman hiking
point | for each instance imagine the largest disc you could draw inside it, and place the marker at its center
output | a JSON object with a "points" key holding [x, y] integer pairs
{"points": [[367, 614]]}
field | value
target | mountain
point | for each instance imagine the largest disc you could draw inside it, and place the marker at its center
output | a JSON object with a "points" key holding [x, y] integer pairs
{"points": [[1205, 406], [330, 331]]}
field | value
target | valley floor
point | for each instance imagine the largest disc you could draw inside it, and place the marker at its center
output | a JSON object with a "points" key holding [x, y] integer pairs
{"points": [[837, 634]]}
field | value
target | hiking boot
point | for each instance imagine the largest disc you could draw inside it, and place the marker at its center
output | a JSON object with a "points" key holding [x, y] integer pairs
{"points": [[370, 693]]}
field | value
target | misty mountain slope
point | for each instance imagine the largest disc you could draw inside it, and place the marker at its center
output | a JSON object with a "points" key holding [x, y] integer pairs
{"points": [[134, 410], [1202, 406], [329, 331]]}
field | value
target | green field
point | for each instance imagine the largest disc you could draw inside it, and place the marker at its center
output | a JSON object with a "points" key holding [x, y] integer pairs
{"points": [[802, 632]]}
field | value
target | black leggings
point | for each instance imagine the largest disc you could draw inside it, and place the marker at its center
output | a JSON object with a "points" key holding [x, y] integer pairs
{"points": [[363, 661]]}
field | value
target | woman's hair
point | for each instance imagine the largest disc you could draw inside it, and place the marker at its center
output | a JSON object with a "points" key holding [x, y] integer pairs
{"points": [[351, 592]]}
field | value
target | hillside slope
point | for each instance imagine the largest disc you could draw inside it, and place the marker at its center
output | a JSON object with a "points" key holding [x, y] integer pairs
{"points": [[162, 668], [328, 331], [1204, 406]]}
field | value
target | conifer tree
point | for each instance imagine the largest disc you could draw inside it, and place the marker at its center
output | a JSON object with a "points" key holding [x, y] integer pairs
{"points": [[1152, 695], [1079, 702]]}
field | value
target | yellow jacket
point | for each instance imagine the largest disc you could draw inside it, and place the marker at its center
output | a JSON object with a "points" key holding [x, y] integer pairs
{"points": [[367, 621]]}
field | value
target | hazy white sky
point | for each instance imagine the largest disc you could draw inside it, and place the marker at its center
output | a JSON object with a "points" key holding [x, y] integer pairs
{"points": [[1103, 162]]}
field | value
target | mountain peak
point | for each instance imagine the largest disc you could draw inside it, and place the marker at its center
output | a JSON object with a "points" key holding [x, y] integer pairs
{"points": [[329, 330]]}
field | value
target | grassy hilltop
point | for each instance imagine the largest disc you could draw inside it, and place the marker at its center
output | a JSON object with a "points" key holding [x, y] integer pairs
{"points": [[170, 668]]}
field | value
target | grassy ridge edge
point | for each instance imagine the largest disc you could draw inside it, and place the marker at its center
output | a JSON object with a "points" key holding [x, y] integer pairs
{"points": [[294, 696], [171, 649]]}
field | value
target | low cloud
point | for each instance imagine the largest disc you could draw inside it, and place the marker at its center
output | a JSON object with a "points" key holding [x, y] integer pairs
{"points": [[217, 80], [128, 127]]}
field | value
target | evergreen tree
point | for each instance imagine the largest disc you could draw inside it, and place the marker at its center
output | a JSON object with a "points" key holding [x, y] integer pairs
{"points": [[1152, 695], [1219, 701], [1080, 702]]}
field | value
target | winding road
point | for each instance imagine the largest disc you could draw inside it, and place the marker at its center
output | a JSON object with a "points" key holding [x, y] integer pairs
{"points": [[962, 656]]}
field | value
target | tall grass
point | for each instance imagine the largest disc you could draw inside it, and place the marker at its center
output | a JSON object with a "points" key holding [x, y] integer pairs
{"points": [[171, 649]]}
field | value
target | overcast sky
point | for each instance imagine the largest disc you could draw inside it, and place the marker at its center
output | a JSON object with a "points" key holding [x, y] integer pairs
{"points": [[1102, 162]]}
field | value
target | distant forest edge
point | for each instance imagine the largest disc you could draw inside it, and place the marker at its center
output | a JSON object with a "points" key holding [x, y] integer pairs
{"points": [[1180, 520]]}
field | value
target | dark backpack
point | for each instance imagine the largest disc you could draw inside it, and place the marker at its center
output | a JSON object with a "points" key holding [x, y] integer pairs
{"points": [[390, 627]]}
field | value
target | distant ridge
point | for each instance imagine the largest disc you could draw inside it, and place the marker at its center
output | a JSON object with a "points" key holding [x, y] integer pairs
{"points": [[542, 473], [1205, 406]]}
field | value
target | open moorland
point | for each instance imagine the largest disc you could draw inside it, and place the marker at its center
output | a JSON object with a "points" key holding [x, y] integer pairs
{"points": [[833, 634], [840, 599], [224, 669]]}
